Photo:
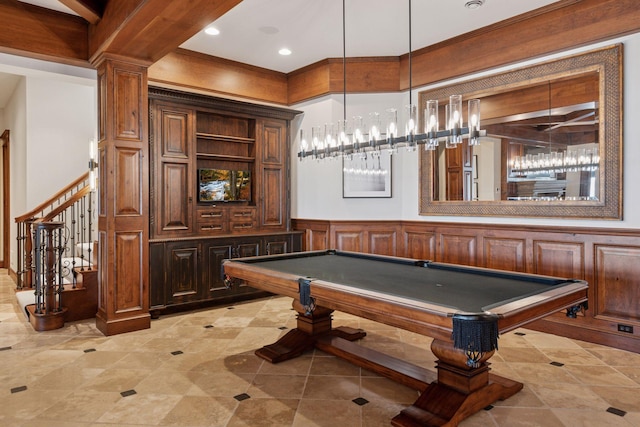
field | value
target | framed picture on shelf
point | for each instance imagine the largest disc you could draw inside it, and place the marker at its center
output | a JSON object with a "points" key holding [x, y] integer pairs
{"points": [[367, 175]]}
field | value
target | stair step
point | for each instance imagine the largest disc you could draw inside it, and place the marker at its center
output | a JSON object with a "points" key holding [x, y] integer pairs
{"points": [[81, 302], [46, 322]]}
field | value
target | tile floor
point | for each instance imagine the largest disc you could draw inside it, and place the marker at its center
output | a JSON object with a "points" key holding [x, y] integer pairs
{"points": [[198, 369]]}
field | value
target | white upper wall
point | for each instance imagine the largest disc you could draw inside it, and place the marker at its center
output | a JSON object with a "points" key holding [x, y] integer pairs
{"points": [[61, 119], [15, 114], [51, 116], [317, 188]]}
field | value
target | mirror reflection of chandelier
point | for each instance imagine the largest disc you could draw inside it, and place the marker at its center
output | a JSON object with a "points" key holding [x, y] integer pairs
{"points": [[367, 167], [358, 136]]}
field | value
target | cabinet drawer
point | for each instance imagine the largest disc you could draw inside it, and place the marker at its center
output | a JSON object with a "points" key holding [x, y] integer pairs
{"points": [[246, 213], [211, 225], [210, 214], [211, 219], [240, 225]]}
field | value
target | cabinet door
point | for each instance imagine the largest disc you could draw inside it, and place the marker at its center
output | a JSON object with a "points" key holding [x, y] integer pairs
{"points": [[173, 177], [245, 247], [275, 245], [272, 170], [157, 293], [212, 278], [182, 272]]}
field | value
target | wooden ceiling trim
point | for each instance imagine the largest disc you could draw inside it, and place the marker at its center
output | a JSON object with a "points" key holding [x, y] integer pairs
{"points": [[364, 75], [195, 71], [42, 33], [559, 29], [309, 82]]}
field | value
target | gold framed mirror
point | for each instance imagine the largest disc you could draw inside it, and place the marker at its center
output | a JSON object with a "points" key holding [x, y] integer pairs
{"points": [[539, 120]]}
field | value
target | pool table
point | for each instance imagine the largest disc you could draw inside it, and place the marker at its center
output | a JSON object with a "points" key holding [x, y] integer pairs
{"points": [[463, 308]]}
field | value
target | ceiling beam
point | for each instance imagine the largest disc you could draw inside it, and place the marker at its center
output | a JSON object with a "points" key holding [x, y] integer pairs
{"points": [[149, 29], [90, 10], [41, 33]]}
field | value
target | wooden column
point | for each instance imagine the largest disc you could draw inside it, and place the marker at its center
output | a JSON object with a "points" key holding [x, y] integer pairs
{"points": [[123, 207]]}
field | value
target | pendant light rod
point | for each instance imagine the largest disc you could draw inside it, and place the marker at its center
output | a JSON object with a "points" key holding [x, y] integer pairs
{"points": [[352, 138], [410, 83], [344, 61]]}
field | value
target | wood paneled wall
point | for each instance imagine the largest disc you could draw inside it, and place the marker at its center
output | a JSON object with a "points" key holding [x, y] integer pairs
{"points": [[609, 259]]}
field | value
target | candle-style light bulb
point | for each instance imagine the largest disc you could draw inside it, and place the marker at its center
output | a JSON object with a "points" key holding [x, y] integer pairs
{"points": [[431, 124], [304, 145], [455, 111], [411, 126], [474, 121]]}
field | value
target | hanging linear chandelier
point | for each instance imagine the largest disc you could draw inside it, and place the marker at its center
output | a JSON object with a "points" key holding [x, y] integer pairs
{"points": [[381, 131]]}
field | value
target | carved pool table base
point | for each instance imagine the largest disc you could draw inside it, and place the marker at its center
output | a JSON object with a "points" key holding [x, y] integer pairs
{"points": [[457, 393], [295, 342], [440, 405]]}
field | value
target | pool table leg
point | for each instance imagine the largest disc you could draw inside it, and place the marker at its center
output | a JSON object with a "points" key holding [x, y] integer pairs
{"points": [[458, 393], [310, 326]]}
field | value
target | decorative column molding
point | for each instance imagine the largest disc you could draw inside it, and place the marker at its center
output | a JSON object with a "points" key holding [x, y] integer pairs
{"points": [[123, 207]]}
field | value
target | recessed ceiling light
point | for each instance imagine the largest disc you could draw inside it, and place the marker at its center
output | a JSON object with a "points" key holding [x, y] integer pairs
{"points": [[473, 4], [284, 51], [269, 30], [212, 31]]}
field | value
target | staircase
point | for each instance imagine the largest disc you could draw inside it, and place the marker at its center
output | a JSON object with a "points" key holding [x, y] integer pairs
{"points": [[57, 275]]}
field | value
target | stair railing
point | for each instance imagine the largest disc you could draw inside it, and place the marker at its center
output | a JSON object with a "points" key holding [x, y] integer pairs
{"points": [[73, 208], [48, 247]]}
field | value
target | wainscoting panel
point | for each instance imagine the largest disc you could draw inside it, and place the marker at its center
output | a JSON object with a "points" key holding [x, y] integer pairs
{"points": [[557, 258], [420, 243], [505, 254], [609, 259], [457, 248], [617, 282], [316, 234], [383, 242], [350, 241]]}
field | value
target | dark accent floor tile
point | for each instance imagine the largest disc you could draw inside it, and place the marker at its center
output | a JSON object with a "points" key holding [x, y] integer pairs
{"points": [[177, 352], [556, 364], [18, 389], [617, 411], [241, 397], [128, 393], [90, 350], [360, 401]]}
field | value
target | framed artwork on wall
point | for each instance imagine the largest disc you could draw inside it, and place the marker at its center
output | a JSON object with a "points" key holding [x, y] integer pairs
{"points": [[367, 175]]}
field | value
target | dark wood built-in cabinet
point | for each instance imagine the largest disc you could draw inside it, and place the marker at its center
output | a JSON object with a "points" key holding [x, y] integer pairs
{"points": [[189, 271], [190, 237]]}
